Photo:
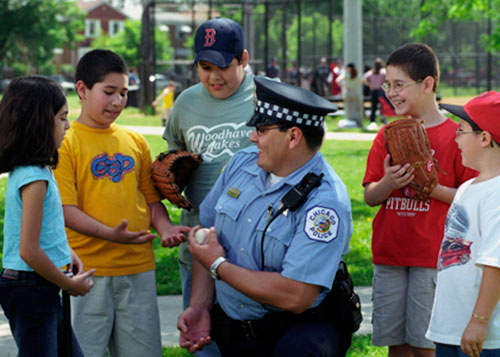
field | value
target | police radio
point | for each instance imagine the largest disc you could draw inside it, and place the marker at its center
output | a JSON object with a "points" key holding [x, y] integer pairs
{"points": [[292, 200]]}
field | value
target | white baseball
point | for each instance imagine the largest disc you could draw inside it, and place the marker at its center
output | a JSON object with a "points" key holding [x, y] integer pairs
{"points": [[201, 235]]}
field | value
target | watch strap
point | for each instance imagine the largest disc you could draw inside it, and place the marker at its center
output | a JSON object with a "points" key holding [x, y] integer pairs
{"points": [[215, 265]]}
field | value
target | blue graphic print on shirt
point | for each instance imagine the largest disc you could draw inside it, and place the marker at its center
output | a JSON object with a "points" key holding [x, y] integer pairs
{"points": [[115, 167]]}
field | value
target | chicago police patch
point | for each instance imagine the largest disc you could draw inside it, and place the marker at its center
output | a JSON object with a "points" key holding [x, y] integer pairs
{"points": [[322, 224]]}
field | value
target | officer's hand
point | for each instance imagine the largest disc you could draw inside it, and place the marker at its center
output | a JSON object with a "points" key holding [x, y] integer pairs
{"points": [[207, 252], [194, 327]]}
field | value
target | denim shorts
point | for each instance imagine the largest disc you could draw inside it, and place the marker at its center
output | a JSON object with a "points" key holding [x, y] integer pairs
{"points": [[33, 307]]}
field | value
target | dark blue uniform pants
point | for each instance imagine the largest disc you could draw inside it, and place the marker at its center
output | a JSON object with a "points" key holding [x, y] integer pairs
{"points": [[303, 337]]}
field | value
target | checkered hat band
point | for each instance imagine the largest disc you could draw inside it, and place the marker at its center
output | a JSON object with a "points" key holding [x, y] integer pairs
{"points": [[285, 114]]}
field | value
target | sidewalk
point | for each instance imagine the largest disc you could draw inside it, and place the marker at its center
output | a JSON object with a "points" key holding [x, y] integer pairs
{"points": [[170, 307]]}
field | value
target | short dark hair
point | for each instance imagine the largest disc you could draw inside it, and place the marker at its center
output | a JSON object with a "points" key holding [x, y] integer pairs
{"points": [[312, 135], [417, 60], [96, 64], [239, 56], [27, 113]]}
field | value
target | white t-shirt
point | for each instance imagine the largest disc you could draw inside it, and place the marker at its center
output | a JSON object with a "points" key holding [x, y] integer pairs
{"points": [[471, 240]]}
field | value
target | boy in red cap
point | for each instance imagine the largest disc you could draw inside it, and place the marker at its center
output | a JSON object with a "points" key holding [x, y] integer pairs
{"points": [[466, 311]]}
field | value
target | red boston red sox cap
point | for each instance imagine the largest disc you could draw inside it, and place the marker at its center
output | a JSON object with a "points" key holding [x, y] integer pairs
{"points": [[218, 41], [482, 112]]}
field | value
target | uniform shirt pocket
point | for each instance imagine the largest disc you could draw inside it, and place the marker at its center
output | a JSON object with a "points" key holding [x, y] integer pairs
{"points": [[279, 236]]}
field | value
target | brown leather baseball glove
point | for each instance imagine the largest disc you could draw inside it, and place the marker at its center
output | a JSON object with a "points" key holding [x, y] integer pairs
{"points": [[407, 142], [171, 172]]}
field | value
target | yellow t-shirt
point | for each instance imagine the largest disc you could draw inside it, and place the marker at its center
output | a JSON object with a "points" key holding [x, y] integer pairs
{"points": [[106, 173], [168, 99]]}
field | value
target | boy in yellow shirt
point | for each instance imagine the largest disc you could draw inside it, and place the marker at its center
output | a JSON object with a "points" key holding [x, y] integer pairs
{"points": [[110, 203]]}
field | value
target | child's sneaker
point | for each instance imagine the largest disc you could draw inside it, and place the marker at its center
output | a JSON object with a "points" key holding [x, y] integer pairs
{"points": [[372, 126]]}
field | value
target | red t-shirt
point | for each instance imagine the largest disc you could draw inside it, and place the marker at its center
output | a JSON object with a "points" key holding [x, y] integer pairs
{"points": [[407, 232]]}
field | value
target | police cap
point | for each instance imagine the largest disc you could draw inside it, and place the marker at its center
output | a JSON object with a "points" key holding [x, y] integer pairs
{"points": [[283, 103]]}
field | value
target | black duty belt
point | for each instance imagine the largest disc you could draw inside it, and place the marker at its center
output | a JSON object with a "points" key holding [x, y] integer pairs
{"points": [[271, 325]]}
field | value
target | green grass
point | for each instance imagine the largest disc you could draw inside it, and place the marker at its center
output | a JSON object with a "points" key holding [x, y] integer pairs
{"points": [[362, 346]]}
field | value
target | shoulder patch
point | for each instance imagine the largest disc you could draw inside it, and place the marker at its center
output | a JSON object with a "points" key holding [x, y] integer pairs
{"points": [[322, 224]]}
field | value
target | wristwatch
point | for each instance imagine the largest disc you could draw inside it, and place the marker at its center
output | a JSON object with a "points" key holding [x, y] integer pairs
{"points": [[215, 265]]}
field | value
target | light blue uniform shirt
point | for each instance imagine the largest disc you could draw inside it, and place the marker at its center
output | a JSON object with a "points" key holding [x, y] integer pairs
{"points": [[305, 245], [53, 240]]}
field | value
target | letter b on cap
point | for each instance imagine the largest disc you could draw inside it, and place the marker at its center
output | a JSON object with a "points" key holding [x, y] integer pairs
{"points": [[209, 37]]}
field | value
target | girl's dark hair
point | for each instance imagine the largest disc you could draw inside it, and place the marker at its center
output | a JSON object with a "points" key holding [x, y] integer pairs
{"points": [[354, 71], [96, 64], [27, 112], [417, 60]]}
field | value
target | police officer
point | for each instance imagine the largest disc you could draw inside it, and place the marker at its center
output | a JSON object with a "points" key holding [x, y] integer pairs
{"points": [[280, 221]]}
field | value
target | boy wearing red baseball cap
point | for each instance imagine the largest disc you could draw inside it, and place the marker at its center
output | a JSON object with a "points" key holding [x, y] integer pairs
{"points": [[466, 311]]}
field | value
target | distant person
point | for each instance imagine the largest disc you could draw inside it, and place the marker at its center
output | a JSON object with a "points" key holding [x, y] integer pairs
{"points": [[466, 313], [306, 77], [273, 70], [294, 74], [33, 121], [336, 70], [407, 233], [350, 82], [374, 78], [133, 79], [319, 82], [110, 204], [166, 98], [209, 119]]}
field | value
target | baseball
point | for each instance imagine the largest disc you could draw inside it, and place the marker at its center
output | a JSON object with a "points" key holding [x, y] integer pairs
{"points": [[201, 235]]}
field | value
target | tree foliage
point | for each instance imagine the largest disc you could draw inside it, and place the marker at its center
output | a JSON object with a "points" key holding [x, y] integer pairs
{"points": [[436, 12], [314, 41], [127, 43], [30, 30]]}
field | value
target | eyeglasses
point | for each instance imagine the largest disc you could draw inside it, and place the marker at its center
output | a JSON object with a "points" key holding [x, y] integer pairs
{"points": [[261, 129], [398, 87], [460, 132]]}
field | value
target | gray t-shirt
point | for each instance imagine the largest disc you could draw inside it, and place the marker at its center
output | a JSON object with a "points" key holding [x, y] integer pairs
{"points": [[214, 128]]}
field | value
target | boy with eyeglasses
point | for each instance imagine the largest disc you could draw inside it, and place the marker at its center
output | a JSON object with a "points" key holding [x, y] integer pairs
{"points": [[466, 316], [407, 233]]}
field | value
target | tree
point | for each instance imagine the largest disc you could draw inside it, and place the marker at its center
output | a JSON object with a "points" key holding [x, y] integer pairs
{"points": [[30, 30], [436, 12], [127, 43]]}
